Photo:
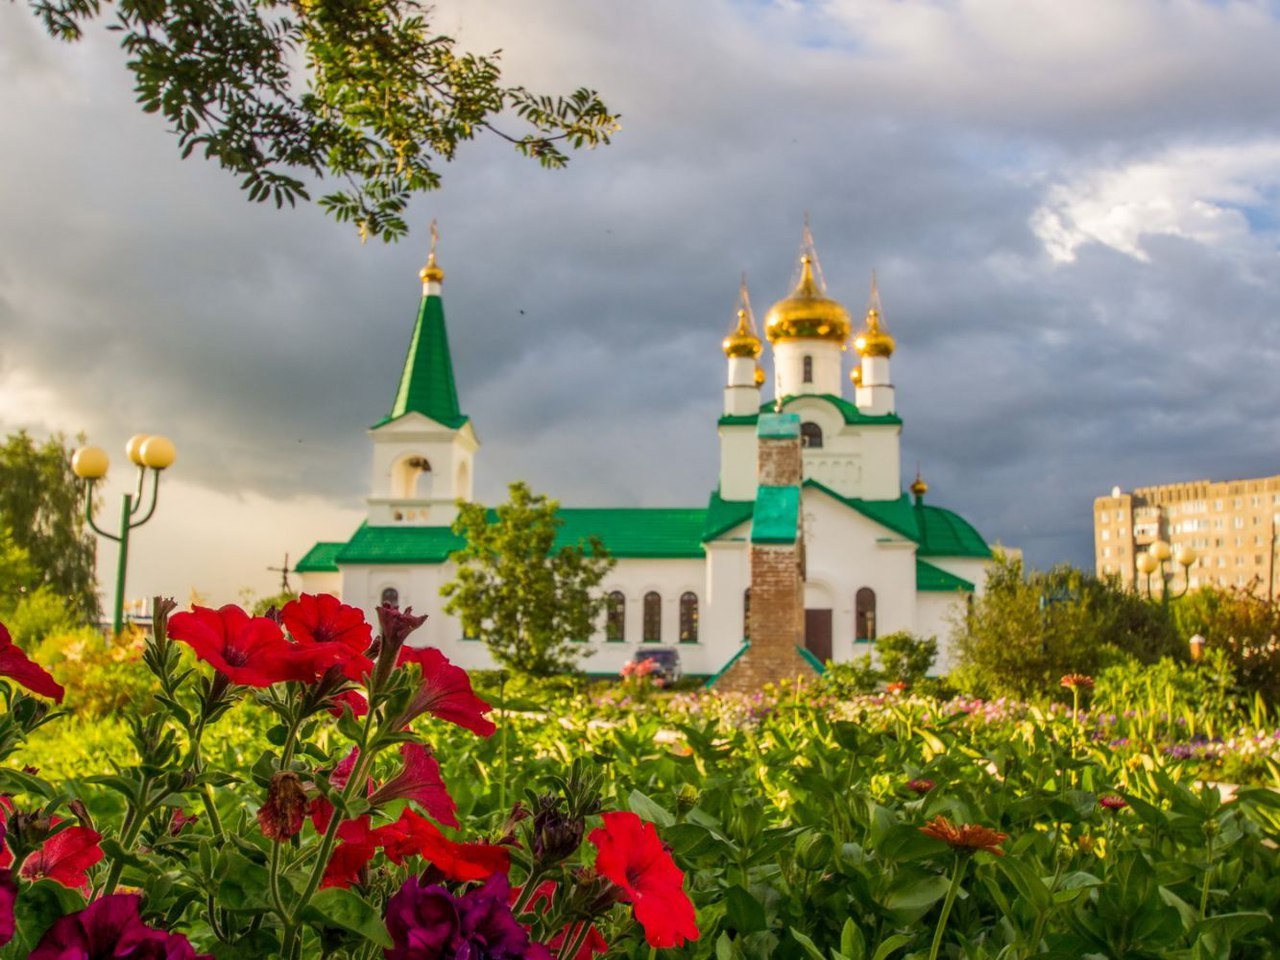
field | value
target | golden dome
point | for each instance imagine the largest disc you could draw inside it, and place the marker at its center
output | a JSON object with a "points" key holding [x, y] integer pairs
{"points": [[807, 314], [743, 342], [759, 375], [432, 272], [873, 340], [918, 487], [855, 375]]}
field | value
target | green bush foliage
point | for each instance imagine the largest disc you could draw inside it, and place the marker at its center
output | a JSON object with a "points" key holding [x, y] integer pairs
{"points": [[1244, 627]]}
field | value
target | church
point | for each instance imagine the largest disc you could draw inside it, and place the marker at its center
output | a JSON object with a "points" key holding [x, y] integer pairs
{"points": [[873, 559]]}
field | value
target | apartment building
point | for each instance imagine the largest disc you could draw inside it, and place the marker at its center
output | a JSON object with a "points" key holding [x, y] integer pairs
{"points": [[1229, 526]]}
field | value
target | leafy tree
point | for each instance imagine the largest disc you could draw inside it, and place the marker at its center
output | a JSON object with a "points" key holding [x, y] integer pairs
{"points": [[1245, 627], [383, 98], [528, 600], [42, 505], [1026, 632], [905, 657]]}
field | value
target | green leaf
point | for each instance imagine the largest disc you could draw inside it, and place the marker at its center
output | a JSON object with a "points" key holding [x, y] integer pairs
{"points": [[340, 908], [809, 946], [892, 945], [743, 911], [647, 809], [852, 943], [914, 894]]}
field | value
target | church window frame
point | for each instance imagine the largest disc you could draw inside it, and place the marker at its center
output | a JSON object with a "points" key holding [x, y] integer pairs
{"points": [[746, 615], [806, 368], [811, 435], [864, 616], [615, 617], [652, 619], [688, 617]]}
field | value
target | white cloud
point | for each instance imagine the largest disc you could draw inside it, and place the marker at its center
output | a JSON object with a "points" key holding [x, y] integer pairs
{"points": [[1196, 193]]}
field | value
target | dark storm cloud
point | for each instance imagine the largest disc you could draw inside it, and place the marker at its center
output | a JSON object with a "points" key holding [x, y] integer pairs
{"points": [[933, 142]]}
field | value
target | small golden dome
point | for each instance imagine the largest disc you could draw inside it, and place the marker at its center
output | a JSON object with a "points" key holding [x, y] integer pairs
{"points": [[807, 314], [432, 272], [855, 375], [743, 342], [918, 487], [873, 340], [759, 375]]}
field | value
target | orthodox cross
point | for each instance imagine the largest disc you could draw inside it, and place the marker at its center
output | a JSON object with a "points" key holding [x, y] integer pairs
{"points": [[284, 574]]}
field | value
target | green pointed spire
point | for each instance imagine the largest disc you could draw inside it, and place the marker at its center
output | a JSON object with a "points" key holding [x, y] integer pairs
{"points": [[426, 384]]}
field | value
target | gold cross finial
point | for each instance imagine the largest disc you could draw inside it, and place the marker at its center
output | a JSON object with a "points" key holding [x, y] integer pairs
{"points": [[432, 273], [809, 255]]}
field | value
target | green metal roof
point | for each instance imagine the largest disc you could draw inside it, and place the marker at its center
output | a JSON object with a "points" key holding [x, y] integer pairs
{"points": [[898, 515], [399, 545], [937, 580], [723, 515], [778, 426], [426, 383], [947, 534], [849, 411], [320, 559], [777, 516]]}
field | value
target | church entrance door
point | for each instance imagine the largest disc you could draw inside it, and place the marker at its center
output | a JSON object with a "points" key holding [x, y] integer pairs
{"points": [[817, 633]]}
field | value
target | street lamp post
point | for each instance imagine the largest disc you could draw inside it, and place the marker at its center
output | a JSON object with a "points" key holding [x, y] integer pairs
{"points": [[153, 453], [1155, 563]]}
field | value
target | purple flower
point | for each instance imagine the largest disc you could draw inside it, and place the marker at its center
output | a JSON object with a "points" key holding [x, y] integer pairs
{"points": [[8, 893], [427, 922], [109, 928]]}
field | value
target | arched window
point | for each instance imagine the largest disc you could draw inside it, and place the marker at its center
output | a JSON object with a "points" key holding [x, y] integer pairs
{"points": [[391, 597], [808, 368], [652, 618], [615, 624], [810, 435], [865, 615], [746, 615], [689, 618]]}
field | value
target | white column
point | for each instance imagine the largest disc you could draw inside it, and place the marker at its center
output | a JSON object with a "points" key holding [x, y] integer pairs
{"points": [[825, 367]]}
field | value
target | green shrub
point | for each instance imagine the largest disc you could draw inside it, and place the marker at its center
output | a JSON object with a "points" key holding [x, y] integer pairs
{"points": [[905, 657]]}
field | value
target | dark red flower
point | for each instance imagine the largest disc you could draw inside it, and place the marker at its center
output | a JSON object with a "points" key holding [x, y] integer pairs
{"points": [[633, 857], [8, 894], [966, 837], [921, 785], [414, 835], [321, 809], [445, 692], [593, 944], [1077, 681], [356, 848], [110, 928], [65, 857], [180, 821], [419, 780], [1112, 802], [332, 631], [353, 699], [15, 665], [247, 650], [427, 922], [281, 816]]}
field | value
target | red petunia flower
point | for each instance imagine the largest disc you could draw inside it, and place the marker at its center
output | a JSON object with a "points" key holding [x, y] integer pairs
{"points": [[633, 857], [445, 692], [321, 809], [331, 631], [419, 780], [354, 699], [65, 857], [111, 927], [356, 848], [8, 894], [16, 665], [593, 944], [414, 835], [247, 650]]}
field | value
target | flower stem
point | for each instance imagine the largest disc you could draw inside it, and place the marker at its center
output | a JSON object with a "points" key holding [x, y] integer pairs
{"points": [[952, 891]]}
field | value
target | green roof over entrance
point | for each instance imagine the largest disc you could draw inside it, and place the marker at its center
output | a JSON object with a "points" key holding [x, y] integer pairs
{"points": [[849, 411], [426, 383], [936, 580]]}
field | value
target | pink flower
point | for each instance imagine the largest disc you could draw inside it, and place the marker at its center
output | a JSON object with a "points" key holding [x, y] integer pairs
{"points": [[111, 928]]}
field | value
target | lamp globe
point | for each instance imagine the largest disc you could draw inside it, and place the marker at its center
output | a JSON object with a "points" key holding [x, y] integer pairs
{"points": [[133, 449], [89, 463], [158, 452]]}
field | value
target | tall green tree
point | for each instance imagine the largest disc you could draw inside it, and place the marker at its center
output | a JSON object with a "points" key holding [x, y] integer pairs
{"points": [[285, 94], [527, 599], [42, 505], [1243, 626], [1028, 630]]}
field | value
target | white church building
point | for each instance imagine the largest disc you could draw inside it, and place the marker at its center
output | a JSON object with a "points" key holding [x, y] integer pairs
{"points": [[875, 558]]}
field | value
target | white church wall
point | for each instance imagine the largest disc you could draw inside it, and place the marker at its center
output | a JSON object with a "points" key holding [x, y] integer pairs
{"points": [[882, 463], [826, 366], [738, 462], [322, 582], [403, 495], [973, 569], [670, 579], [935, 613]]}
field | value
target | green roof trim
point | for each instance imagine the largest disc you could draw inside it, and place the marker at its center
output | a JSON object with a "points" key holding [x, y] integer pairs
{"points": [[723, 515], [936, 580], [898, 515], [777, 515], [426, 383], [850, 412], [320, 559], [396, 545], [778, 426]]}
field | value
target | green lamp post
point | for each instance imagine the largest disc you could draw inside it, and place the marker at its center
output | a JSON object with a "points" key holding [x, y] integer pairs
{"points": [[1154, 563], [149, 453]]}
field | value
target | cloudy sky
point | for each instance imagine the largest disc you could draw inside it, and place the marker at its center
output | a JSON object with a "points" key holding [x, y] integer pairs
{"points": [[1073, 209]]}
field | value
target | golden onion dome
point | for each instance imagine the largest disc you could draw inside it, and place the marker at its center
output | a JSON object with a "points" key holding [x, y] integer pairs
{"points": [[432, 272], [807, 314], [873, 340], [918, 487], [759, 375], [855, 375], [743, 342]]}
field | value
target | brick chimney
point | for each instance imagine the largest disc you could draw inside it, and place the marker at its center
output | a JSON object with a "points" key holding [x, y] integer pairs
{"points": [[776, 626]]}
